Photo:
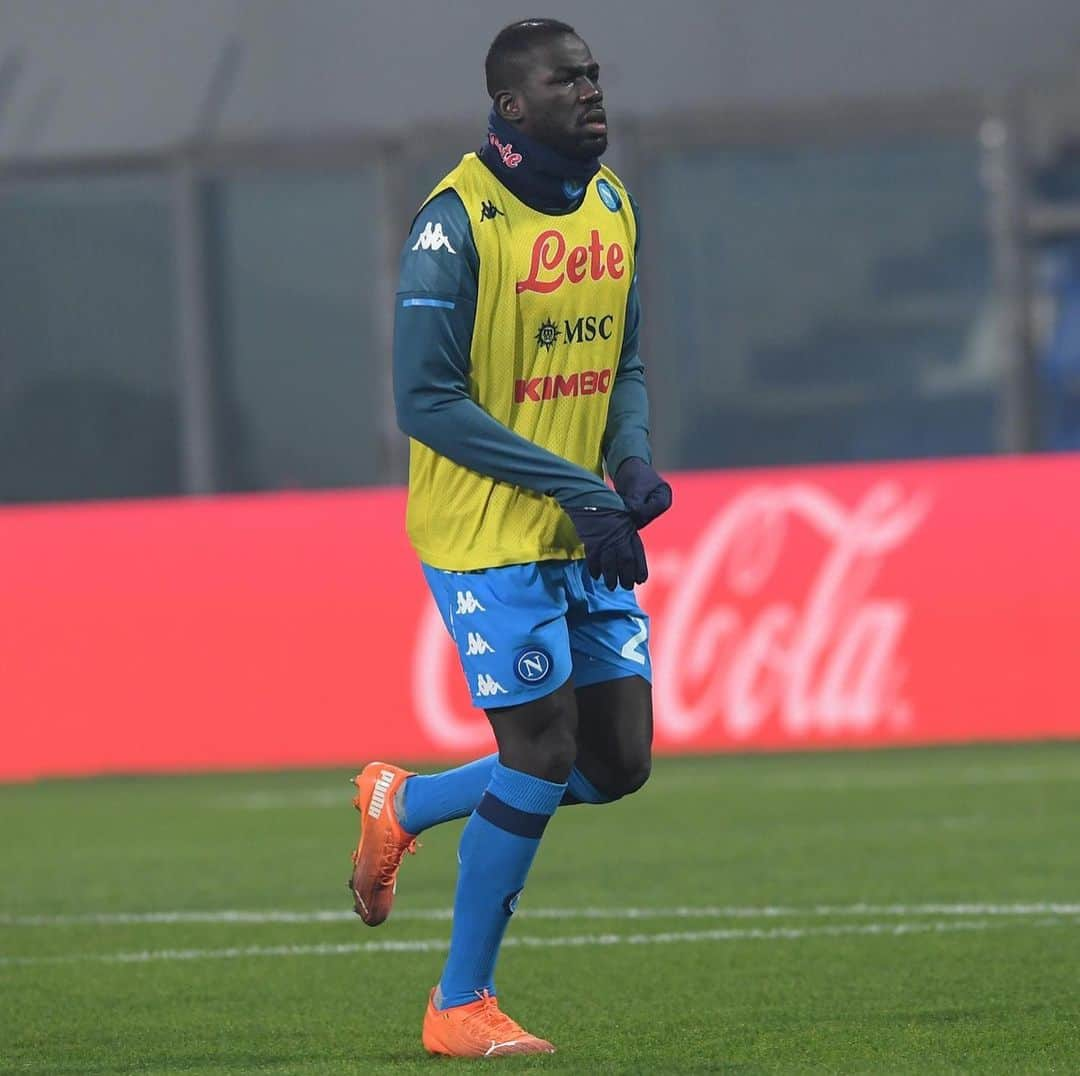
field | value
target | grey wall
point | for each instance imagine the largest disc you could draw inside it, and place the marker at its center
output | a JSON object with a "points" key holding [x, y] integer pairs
{"points": [[84, 75]]}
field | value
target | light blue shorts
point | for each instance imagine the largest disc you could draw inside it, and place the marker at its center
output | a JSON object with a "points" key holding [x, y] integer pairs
{"points": [[522, 631]]}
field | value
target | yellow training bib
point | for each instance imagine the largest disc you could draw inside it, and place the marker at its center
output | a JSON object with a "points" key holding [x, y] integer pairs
{"points": [[550, 318]]}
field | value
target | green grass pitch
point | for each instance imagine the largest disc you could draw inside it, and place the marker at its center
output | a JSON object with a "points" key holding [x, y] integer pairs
{"points": [[906, 912]]}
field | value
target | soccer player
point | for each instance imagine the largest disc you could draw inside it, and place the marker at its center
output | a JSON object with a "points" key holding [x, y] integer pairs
{"points": [[517, 378]]}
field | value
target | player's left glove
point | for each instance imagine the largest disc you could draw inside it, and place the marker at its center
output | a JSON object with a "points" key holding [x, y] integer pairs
{"points": [[645, 493], [613, 550]]}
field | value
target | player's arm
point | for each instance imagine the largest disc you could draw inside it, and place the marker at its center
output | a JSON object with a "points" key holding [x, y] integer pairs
{"points": [[433, 326], [627, 430], [627, 451]]}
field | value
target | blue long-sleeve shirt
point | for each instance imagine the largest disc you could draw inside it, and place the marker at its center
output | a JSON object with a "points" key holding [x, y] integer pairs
{"points": [[432, 345]]}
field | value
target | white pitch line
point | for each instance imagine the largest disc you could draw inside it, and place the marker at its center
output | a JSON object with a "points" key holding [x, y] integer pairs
{"points": [[526, 942], [242, 917]]}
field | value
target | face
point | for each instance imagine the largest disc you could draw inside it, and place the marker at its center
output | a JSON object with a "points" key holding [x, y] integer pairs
{"points": [[559, 101]]}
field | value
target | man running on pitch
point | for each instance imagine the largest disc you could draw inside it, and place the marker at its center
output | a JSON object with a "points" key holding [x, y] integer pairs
{"points": [[517, 377]]}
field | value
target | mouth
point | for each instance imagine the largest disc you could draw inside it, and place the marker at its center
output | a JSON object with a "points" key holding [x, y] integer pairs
{"points": [[595, 121]]}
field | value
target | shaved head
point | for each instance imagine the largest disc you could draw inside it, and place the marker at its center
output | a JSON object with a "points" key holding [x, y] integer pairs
{"points": [[507, 57]]}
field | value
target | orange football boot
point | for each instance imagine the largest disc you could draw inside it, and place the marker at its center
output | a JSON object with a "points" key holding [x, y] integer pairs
{"points": [[383, 842], [479, 1029]]}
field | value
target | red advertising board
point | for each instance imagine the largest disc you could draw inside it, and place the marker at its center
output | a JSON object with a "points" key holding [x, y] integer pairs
{"points": [[791, 609]]}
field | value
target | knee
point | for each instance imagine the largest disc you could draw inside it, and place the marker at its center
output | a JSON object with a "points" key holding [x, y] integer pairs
{"points": [[615, 778], [629, 778], [633, 780], [615, 735]]}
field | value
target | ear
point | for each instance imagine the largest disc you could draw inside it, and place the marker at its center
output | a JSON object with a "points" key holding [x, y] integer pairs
{"points": [[508, 106]]}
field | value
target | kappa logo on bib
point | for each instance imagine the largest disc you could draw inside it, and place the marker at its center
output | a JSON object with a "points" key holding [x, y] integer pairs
{"points": [[433, 238]]}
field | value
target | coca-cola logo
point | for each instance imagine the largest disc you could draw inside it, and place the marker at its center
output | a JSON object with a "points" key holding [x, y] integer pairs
{"points": [[766, 621]]}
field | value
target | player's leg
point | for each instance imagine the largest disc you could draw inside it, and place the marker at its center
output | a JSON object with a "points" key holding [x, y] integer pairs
{"points": [[614, 739], [609, 640], [536, 751], [420, 801], [396, 805], [614, 727], [426, 800], [537, 744], [518, 666], [490, 635]]}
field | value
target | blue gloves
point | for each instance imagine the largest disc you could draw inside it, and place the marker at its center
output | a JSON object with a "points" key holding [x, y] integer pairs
{"points": [[646, 494], [613, 549]]}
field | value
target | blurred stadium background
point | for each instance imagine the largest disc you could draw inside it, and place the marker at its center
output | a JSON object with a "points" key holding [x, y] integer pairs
{"points": [[861, 228], [862, 244], [858, 223]]}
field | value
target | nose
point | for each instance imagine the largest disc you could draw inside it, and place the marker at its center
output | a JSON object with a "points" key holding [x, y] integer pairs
{"points": [[590, 91]]}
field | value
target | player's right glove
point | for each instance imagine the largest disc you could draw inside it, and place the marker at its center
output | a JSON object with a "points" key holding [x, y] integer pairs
{"points": [[613, 550], [643, 491]]}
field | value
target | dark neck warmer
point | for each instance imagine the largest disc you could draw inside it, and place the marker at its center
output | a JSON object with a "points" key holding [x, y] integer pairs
{"points": [[542, 178]]}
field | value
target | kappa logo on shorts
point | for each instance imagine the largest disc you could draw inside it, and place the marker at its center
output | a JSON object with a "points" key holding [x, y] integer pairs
{"points": [[467, 604], [487, 685], [478, 645], [533, 666]]}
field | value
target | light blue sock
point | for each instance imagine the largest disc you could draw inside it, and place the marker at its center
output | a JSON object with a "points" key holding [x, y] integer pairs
{"points": [[580, 789], [429, 799], [497, 848]]}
